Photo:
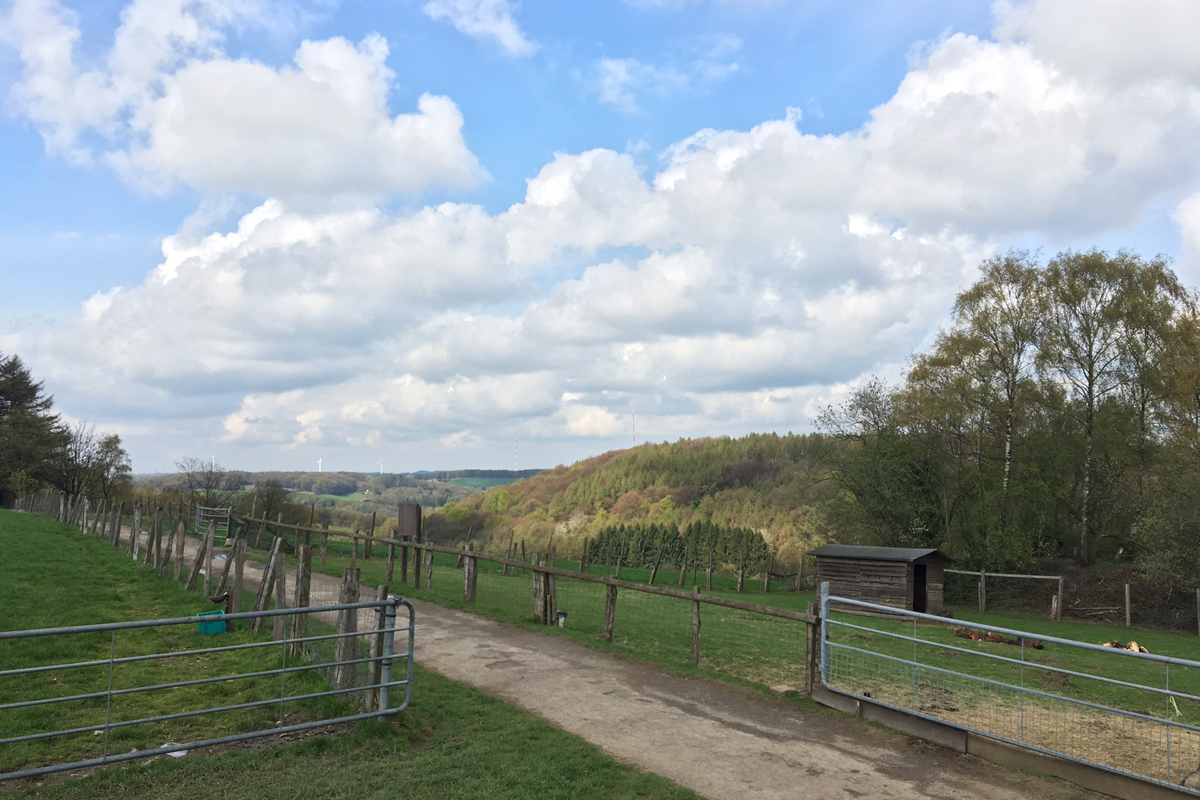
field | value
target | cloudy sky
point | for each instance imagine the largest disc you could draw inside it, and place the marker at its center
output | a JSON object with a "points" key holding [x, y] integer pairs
{"points": [[418, 230]]}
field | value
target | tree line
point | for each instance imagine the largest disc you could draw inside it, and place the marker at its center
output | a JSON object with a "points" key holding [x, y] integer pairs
{"points": [[700, 546], [1057, 416], [38, 450]]}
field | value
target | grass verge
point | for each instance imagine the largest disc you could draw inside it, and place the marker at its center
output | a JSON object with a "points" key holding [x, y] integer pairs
{"points": [[452, 742]]}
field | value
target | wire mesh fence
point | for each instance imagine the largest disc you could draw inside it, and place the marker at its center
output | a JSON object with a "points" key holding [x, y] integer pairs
{"points": [[1124, 711]]}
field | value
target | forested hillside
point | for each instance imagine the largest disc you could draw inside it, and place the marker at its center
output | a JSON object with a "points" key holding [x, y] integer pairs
{"points": [[769, 483]]}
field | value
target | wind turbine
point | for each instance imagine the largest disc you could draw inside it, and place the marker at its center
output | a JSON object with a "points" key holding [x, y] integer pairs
{"points": [[381, 466], [319, 462]]}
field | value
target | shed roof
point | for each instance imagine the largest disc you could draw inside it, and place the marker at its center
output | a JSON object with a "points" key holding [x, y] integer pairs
{"points": [[879, 553]]}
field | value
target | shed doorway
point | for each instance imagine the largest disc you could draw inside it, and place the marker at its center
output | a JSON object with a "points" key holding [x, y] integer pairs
{"points": [[919, 594]]}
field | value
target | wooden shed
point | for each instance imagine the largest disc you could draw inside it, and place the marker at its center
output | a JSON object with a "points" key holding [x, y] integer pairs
{"points": [[902, 577]]}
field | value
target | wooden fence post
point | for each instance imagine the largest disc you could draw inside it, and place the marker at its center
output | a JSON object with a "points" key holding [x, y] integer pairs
{"points": [[741, 576], [696, 629], [683, 566], [158, 538], [210, 539], [1060, 599], [1128, 609], [168, 551], [114, 526], [96, 519], [370, 700], [812, 633], [239, 566], [982, 592], [324, 541], [265, 586], [181, 536], [367, 542], [508, 554], [391, 559], [610, 611], [539, 592], [135, 533], [279, 627], [262, 526], [470, 574], [198, 564], [225, 572], [551, 594], [347, 622], [300, 599], [767, 576]]}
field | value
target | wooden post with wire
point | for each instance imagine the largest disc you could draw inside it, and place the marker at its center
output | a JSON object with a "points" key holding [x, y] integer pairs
{"points": [[610, 611]]}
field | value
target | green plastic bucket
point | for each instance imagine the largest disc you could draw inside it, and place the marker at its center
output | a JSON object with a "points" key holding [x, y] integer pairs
{"points": [[211, 628]]}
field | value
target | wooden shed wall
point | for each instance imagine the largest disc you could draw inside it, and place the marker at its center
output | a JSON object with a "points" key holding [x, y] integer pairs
{"points": [[935, 582], [888, 583]]}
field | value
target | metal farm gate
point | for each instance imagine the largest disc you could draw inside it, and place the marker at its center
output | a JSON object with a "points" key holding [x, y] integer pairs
{"points": [[51, 707], [219, 517], [1127, 712]]}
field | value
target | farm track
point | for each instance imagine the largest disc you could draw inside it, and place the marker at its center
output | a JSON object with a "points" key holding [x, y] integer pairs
{"points": [[722, 741]]}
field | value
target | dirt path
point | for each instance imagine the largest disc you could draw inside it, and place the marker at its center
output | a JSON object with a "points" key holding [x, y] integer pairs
{"points": [[724, 742]]}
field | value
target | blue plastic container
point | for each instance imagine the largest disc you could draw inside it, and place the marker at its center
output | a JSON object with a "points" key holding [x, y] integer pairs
{"points": [[211, 628]]}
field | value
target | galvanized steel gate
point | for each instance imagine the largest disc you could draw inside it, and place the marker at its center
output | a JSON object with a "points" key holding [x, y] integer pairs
{"points": [[377, 690], [1011, 698]]}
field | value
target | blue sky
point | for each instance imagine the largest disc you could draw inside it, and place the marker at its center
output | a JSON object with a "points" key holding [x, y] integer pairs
{"points": [[271, 231]]}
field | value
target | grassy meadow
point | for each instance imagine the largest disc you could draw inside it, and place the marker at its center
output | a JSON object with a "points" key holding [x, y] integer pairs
{"points": [[452, 742]]}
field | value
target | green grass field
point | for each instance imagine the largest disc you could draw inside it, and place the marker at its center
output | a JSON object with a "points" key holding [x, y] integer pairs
{"points": [[481, 483], [453, 742], [55, 576]]}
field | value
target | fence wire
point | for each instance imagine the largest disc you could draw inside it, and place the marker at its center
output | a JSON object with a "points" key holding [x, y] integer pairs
{"points": [[1059, 700]]}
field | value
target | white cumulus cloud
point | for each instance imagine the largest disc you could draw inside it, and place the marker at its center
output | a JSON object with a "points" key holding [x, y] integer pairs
{"points": [[485, 19], [168, 107]]}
